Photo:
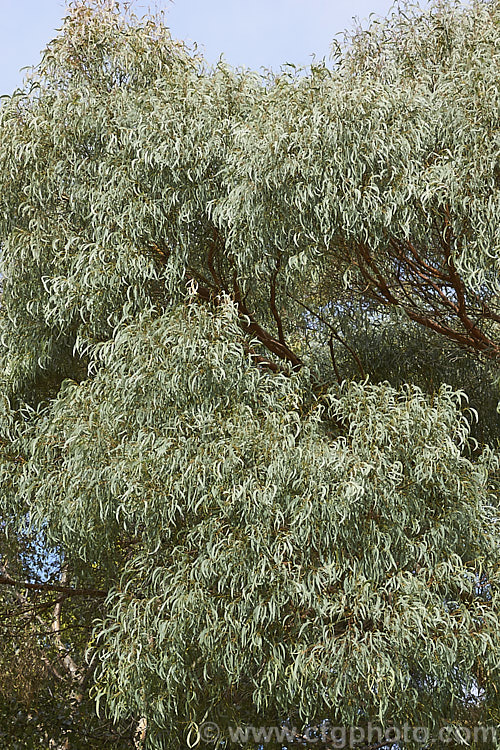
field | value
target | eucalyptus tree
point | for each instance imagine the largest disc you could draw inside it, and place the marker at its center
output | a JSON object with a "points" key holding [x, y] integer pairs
{"points": [[237, 485]]}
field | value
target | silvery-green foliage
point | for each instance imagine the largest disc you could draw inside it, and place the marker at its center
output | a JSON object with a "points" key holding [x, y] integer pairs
{"points": [[387, 166], [129, 168], [261, 545], [292, 558], [392, 348]]}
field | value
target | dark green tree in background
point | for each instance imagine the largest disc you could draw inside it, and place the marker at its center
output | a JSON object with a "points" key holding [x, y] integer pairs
{"points": [[250, 345]]}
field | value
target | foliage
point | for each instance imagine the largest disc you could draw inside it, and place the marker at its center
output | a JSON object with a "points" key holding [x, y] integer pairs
{"points": [[249, 346]]}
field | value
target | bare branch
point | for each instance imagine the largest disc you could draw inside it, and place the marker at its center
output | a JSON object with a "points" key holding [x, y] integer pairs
{"points": [[334, 334], [6, 580]]}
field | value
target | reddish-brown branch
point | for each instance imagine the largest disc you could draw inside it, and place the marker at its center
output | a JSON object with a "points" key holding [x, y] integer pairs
{"points": [[273, 345], [421, 281], [432, 270], [249, 324], [211, 291], [415, 269], [428, 302], [263, 361], [380, 281], [210, 295]]}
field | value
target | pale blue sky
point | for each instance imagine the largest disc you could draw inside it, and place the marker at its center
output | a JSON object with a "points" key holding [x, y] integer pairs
{"points": [[250, 33]]}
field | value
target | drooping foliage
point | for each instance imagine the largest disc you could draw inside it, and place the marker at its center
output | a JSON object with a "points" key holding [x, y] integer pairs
{"points": [[249, 345]]}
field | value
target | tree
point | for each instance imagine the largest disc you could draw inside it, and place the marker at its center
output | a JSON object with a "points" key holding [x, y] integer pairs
{"points": [[250, 373]]}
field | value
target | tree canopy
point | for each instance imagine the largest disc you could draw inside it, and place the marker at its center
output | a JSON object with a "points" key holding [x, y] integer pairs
{"points": [[249, 343]]}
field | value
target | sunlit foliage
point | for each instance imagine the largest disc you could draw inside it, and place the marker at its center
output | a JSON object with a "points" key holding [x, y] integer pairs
{"points": [[249, 343]]}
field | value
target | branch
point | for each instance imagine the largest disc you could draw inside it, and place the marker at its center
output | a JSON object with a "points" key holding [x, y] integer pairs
{"points": [[23, 601], [6, 580], [250, 326], [260, 360], [209, 291], [335, 335], [274, 346], [471, 339]]}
